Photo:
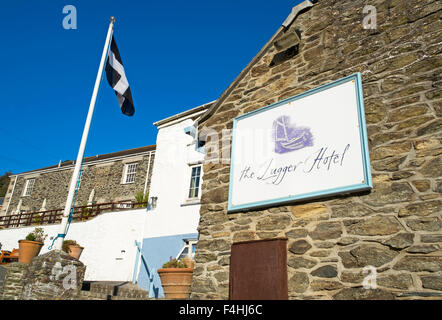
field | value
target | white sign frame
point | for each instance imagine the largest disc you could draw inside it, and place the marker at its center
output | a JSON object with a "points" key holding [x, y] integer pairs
{"points": [[328, 132]]}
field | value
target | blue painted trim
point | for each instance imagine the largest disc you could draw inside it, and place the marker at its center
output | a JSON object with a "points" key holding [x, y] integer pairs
{"points": [[363, 132], [150, 272], [155, 252], [201, 149], [137, 260], [367, 183], [190, 131]]}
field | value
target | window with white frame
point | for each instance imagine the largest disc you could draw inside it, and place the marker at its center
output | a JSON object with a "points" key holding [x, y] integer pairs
{"points": [[195, 180], [188, 250], [29, 187], [130, 172]]}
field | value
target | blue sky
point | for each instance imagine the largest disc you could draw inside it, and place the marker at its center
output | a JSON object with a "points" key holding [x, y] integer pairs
{"points": [[177, 55]]}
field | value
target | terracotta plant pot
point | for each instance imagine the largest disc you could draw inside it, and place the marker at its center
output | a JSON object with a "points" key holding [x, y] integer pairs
{"points": [[75, 251], [176, 282], [189, 262], [28, 250]]}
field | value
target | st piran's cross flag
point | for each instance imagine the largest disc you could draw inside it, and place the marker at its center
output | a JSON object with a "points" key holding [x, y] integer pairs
{"points": [[118, 81]]}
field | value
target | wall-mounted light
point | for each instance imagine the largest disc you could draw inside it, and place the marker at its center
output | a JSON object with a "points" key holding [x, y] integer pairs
{"points": [[153, 202]]}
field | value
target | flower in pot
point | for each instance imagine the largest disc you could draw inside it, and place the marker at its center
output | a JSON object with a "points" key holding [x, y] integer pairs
{"points": [[72, 248], [31, 246], [176, 279]]}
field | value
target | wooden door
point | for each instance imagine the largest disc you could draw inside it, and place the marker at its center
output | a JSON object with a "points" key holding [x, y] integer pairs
{"points": [[258, 270]]}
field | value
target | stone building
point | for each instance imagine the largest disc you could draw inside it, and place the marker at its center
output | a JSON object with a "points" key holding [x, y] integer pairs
{"points": [[104, 178], [396, 227], [171, 225], [128, 245]]}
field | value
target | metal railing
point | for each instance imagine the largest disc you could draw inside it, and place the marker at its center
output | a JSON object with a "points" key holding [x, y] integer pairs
{"points": [[81, 213]]}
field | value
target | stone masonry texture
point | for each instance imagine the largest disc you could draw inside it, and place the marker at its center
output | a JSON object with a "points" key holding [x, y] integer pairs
{"points": [[397, 227], [105, 178], [52, 276], [14, 281]]}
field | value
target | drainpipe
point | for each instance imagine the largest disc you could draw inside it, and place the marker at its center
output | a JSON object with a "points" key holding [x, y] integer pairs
{"points": [[12, 193], [147, 173]]}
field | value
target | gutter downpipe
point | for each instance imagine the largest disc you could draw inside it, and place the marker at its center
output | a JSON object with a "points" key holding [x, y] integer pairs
{"points": [[147, 173], [12, 193]]}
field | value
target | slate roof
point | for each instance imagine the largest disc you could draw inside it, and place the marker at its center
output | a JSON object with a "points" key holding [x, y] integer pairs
{"points": [[106, 156]]}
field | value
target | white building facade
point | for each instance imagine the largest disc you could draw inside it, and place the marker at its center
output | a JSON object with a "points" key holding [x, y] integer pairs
{"points": [[171, 223], [131, 245]]}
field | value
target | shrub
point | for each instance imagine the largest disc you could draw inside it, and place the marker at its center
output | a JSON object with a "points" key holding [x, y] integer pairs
{"points": [[37, 235], [141, 197], [174, 263], [67, 243]]}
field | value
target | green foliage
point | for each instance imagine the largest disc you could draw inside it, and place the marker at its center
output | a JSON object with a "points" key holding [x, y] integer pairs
{"points": [[86, 212], [141, 197], [67, 243], [174, 263], [37, 220], [30, 237], [4, 183], [37, 235]]}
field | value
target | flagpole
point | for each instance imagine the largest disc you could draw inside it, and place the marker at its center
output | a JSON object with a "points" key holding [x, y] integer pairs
{"points": [[68, 206]]}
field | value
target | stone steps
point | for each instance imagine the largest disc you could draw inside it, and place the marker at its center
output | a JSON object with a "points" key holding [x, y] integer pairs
{"points": [[113, 290], [87, 295]]}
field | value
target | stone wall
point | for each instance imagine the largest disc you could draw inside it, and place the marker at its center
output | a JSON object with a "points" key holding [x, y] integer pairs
{"points": [[2, 279], [14, 281], [397, 226], [105, 178], [51, 276]]}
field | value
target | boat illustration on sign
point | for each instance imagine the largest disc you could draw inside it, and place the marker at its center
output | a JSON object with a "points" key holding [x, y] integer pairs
{"points": [[290, 138]]}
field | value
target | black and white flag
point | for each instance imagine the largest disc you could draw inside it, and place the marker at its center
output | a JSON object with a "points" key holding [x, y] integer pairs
{"points": [[118, 81]]}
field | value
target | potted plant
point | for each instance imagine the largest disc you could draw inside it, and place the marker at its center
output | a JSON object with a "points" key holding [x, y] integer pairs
{"points": [[72, 248], [85, 213], [141, 198], [176, 279], [31, 246]]}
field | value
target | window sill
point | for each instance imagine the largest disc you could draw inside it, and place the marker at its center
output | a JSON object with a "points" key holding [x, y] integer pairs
{"points": [[191, 202], [128, 183]]}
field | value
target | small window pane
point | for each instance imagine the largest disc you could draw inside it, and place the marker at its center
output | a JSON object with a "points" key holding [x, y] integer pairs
{"points": [[195, 182], [131, 170], [29, 187]]}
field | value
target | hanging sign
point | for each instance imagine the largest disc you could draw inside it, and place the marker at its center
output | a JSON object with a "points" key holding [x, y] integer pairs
{"points": [[309, 146]]}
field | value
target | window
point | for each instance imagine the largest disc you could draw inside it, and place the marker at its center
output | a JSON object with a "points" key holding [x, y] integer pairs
{"points": [[29, 187], [195, 182], [130, 172]]}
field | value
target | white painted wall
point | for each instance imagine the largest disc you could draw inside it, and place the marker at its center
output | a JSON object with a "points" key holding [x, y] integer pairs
{"points": [[170, 183], [104, 239], [108, 235]]}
